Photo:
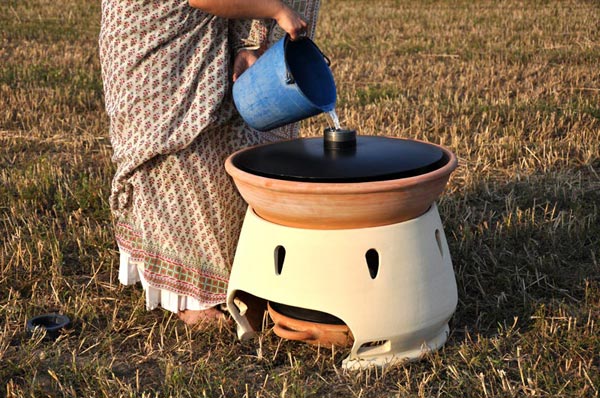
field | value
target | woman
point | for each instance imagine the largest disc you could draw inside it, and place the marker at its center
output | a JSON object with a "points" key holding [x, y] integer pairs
{"points": [[167, 68]]}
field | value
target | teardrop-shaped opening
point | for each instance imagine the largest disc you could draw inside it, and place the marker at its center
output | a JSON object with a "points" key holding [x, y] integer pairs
{"points": [[438, 239], [279, 259], [372, 258]]}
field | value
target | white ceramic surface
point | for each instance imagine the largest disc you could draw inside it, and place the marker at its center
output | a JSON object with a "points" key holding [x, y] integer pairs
{"points": [[397, 315]]}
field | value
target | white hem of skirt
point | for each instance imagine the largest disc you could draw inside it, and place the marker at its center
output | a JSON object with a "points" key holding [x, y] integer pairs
{"points": [[132, 272]]}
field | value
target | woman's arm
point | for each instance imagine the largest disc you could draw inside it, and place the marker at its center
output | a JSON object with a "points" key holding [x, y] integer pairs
{"points": [[285, 16]]}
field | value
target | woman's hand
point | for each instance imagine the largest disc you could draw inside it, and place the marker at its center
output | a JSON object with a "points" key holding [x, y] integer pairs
{"points": [[286, 17], [243, 60], [290, 21]]}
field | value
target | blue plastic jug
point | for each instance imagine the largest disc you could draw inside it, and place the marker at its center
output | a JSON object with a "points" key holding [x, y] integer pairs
{"points": [[290, 82]]}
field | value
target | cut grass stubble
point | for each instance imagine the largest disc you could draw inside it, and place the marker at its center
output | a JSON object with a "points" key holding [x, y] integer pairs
{"points": [[513, 93]]}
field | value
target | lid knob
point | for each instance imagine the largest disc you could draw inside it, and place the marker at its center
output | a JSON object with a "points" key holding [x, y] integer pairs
{"points": [[339, 138]]}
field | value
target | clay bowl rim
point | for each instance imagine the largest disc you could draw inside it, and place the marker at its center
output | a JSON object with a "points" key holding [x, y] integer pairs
{"points": [[275, 184]]}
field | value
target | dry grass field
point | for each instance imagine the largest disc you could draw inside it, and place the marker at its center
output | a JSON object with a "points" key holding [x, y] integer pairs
{"points": [[512, 87]]}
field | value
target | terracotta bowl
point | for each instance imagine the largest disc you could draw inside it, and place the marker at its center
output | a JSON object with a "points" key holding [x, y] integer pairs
{"points": [[314, 333], [341, 205]]}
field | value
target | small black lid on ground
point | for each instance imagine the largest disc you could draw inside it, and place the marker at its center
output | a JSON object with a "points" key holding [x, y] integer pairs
{"points": [[374, 158], [51, 323]]}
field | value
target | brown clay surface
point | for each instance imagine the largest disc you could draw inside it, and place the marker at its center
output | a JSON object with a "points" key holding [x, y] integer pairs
{"points": [[323, 334], [341, 205]]}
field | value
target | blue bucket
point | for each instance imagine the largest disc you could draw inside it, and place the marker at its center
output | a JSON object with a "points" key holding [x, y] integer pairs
{"points": [[290, 82]]}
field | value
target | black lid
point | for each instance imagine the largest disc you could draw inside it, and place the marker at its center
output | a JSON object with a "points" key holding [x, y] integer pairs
{"points": [[305, 314], [374, 158]]}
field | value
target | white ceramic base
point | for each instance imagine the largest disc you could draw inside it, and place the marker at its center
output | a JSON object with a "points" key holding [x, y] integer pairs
{"points": [[399, 314], [387, 356]]}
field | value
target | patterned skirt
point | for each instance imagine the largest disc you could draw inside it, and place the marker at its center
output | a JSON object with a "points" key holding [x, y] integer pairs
{"points": [[180, 234], [167, 80]]}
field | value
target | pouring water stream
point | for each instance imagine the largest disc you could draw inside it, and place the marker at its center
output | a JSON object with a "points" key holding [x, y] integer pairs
{"points": [[334, 119]]}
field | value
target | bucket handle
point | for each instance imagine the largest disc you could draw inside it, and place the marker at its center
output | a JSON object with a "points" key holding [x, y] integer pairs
{"points": [[289, 79]]}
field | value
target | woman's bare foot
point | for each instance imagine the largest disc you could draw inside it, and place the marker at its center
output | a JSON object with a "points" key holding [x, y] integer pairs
{"points": [[208, 316]]}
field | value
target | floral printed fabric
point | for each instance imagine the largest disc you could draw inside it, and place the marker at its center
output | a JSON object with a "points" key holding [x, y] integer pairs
{"points": [[167, 71]]}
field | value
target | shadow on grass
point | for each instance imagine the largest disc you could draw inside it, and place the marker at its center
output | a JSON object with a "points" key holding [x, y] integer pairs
{"points": [[521, 246]]}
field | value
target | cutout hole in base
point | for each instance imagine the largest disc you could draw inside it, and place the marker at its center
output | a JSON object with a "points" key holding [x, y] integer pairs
{"points": [[438, 239], [279, 259], [372, 258], [376, 347]]}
